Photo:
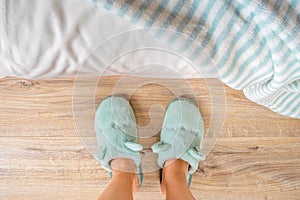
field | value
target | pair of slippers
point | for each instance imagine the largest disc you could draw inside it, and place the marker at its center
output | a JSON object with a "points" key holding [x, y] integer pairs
{"points": [[181, 134]]}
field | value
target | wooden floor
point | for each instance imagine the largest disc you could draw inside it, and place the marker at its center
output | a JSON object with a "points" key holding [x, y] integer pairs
{"points": [[257, 155]]}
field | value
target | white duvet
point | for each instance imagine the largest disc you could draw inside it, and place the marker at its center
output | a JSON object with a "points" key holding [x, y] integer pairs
{"points": [[45, 39]]}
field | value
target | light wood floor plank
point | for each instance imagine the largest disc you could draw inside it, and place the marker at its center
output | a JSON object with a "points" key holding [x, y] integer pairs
{"points": [[242, 166], [42, 157]]}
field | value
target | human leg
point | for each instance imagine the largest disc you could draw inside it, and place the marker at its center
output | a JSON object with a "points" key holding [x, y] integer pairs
{"points": [[174, 183], [123, 183]]}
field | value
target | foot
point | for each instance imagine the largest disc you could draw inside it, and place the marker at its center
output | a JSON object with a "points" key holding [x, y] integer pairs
{"points": [[181, 136], [116, 135]]}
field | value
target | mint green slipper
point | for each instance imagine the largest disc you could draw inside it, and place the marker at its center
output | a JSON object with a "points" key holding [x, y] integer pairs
{"points": [[181, 135], [116, 133]]}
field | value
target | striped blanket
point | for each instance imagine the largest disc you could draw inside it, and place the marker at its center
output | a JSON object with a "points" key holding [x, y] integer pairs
{"points": [[255, 44]]}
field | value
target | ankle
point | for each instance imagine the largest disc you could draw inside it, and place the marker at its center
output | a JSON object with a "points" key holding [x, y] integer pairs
{"points": [[176, 167], [123, 165], [124, 172], [123, 175], [125, 179], [174, 173]]}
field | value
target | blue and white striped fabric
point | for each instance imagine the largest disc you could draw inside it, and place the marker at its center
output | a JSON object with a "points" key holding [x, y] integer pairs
{"points": [[255, 44]]}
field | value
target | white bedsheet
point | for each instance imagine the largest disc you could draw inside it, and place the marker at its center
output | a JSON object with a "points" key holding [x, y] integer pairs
{"points": [[44, 39]]}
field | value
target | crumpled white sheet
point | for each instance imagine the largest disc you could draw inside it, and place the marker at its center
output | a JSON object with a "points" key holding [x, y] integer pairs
{"points": [[49, 39]]}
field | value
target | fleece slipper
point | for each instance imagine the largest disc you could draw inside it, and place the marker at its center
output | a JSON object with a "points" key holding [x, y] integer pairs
{"points": [[181, 135], [116, 133]]}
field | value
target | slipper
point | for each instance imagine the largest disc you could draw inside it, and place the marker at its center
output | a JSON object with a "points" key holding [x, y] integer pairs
{"points": [[116, 133], [181, 135]]}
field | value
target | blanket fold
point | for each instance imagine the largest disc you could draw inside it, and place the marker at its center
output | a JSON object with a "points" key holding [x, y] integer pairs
{"points": [[255, 45]]}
